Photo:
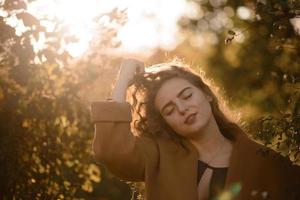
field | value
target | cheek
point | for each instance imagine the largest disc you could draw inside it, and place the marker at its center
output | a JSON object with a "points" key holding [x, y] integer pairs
{"points": [[205, 112], [208, 107], [203, 104], [171, 121]]}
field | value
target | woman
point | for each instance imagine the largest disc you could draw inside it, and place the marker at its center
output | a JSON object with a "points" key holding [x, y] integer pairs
{"points": [[186, 148]]}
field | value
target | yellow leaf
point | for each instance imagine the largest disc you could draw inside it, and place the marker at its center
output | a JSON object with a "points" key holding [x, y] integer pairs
{"points": [[87, 186]]}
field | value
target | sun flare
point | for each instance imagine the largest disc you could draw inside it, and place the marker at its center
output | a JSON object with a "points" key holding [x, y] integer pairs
{"points": [[151, 23]]}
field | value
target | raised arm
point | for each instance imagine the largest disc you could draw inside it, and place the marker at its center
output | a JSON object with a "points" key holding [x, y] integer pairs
{"points": [[114, 145]]}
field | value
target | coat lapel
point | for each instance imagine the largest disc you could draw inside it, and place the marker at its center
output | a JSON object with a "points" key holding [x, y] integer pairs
{"points": [[234, 173], [178, 170]]}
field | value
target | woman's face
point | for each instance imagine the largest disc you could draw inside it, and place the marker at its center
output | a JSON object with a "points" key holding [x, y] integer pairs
{"points": [[183, 106]]}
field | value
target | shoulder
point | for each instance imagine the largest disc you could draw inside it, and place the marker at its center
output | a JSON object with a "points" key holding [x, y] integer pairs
{"points": [[261, 167], [266, 157]]}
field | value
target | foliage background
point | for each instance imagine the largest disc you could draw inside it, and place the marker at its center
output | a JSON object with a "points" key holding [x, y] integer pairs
{"points": [[260, 75], [45, 131]]}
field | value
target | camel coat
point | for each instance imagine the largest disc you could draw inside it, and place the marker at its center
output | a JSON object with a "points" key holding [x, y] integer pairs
{"points": [[170, 172]]}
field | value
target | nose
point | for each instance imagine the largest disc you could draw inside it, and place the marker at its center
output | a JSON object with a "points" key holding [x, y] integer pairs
{"points": [[182, 108]]}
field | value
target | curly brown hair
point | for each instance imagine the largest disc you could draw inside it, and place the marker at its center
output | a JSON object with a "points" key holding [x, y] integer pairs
{"points": [[149, 122]]}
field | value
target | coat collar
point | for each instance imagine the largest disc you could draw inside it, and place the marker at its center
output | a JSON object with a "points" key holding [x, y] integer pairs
{"points": [[234, 162]]}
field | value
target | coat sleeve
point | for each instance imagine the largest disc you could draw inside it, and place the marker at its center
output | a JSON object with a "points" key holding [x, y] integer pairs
{"points": [[115, 146]]}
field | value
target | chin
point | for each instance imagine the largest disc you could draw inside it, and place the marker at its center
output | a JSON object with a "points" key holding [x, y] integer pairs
{"points": [[196, 129], [193, 130]]}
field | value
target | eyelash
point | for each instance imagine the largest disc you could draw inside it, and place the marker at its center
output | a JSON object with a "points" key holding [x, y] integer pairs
{"points": [[169, 113], [188, 96], [183, 98]]}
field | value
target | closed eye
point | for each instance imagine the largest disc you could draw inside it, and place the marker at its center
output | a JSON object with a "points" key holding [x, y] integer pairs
{"points": [[184, 97], [170, 112], [188, 96]]}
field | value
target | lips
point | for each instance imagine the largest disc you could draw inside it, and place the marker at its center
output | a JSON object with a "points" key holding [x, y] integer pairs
{"points": [[189, 119]]}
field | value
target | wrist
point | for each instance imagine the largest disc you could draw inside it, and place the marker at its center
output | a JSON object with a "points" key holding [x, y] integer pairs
{"points": [[120, 90], [122, 83]]}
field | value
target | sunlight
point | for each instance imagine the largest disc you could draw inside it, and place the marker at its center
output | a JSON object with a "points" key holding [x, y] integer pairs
{"points": [[151, 23], [77, 15]]}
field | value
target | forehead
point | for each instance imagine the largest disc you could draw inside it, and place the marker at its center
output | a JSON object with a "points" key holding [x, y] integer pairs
{"points": [[170, 89]]}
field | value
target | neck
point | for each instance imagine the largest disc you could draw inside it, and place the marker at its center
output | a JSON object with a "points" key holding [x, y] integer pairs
{"points": [[209, 141]]}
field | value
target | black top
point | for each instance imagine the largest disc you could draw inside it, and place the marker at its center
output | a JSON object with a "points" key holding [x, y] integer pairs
{"points": [[217, 181]]}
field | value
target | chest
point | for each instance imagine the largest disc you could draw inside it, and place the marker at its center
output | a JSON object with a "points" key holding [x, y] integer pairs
{"points": [[176, 175], [210, 180], [203, 187]]}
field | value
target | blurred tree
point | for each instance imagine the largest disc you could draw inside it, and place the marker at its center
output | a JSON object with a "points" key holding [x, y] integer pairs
{"points": [[45, 131], [256, 60]]}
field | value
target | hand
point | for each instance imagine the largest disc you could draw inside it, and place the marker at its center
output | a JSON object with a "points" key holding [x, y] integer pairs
{"points": [[129, 68]]}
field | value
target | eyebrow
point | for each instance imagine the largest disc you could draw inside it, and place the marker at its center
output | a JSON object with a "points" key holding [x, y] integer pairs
{"points": [[178, 95]]}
